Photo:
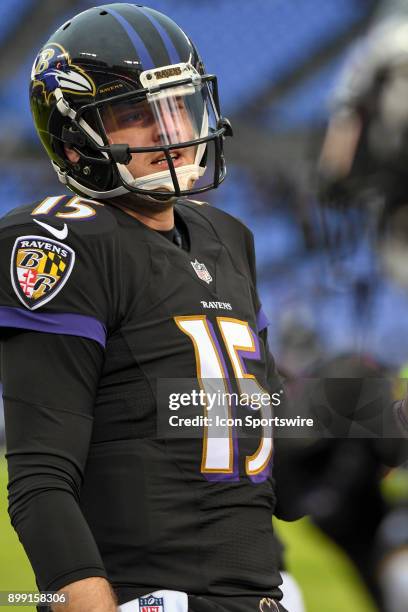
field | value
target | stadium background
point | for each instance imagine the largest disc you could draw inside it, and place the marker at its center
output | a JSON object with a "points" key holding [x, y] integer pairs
{"points": [[277, 61]]}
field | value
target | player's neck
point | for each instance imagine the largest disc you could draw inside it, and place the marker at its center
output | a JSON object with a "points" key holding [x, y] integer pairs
{"points": [[156, 215]]}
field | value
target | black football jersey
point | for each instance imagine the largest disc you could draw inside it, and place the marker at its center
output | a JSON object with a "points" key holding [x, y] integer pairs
{"points": [[185, 513]]}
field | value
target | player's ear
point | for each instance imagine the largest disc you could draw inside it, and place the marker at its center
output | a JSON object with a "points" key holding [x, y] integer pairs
{"points": [[71, 155]]}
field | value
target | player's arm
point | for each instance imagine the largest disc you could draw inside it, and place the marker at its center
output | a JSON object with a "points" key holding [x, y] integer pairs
{"points": [[56, 304], [284, 449], [88, 595], [272, 374], [49, 386]]}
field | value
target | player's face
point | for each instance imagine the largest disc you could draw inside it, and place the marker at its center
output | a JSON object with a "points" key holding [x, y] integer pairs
{"points": [[140, 124]]}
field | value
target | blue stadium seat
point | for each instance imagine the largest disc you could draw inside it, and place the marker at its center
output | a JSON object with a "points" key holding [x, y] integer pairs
{"points": [[250, 45], [26, 182], [11, 14], [308, 103]]}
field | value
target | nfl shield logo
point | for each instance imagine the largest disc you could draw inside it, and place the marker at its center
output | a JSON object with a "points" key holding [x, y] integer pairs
{"points": [[201, 271], [151, 604], [40, 267]]}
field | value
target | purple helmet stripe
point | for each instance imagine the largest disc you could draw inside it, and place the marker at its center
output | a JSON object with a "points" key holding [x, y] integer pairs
{"points": [[140, 47], [168, 43], [54, 323]]}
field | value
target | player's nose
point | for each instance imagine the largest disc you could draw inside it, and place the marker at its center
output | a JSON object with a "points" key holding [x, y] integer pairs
{"points": [[167, 128]]}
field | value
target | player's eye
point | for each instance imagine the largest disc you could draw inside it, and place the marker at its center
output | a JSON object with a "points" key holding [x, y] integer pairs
{"points": [[119, 117], [140, 118], [180, 104]]}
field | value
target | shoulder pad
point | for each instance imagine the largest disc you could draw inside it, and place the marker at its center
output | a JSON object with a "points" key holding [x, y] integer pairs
{"points": [[50, 257], [215, 215], [62, 214]]}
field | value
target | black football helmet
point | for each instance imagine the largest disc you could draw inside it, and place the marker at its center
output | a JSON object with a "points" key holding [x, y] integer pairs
{"points": [[125, 88]]}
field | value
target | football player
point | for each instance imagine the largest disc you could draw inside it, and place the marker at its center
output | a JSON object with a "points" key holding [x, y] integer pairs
{"points": [[364, 166], [109, 300]]}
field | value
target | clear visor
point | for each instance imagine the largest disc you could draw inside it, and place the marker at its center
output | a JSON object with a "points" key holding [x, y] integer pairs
{"points": [[171, 117]]}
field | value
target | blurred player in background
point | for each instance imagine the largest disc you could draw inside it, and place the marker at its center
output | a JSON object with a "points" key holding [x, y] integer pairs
{"points": [[337, 479], [364, 163]]}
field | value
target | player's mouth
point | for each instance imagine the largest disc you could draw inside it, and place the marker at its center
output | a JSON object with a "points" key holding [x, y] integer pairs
{"points": [[161, 162]]}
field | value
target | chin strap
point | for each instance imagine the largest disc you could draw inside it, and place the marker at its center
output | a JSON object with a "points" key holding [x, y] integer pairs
{"points": [[162, 180]]}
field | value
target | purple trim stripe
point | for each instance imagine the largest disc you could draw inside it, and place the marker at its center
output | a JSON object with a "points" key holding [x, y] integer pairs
{"points": [[234, 475], [168, 43], [266, 472], [54, 323], [140, 47], [220, 353], [256, 354], [262, 320]]}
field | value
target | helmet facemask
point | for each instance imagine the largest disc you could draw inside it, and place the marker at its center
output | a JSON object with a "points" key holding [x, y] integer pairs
{"points": [[164, 141]]}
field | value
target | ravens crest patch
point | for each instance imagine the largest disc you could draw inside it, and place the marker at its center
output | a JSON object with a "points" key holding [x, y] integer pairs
{"points": [[40, 267]]}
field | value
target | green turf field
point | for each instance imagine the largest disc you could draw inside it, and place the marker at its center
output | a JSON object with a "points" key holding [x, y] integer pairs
{"points": [[15, 571], [328, 581]]}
